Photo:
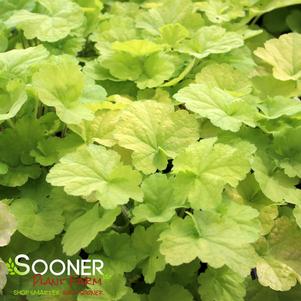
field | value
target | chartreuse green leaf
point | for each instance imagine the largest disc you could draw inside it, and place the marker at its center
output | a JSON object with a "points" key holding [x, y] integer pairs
{"points": [[155, 133], [221, 285], [38, 213], [210, 40], [204, 168], [274, 183], [275, 107], [100, 129], [138, 61], [116, 28], [223, 11], [52, 23], [51, 149], [20, 166], [283, 55], [161, 137], [146, 244], [279, 267], [113, 289], [216, 238], [8, 225], [59, 83], [263, 6], [12, 98], [268, 85], [38, 219], [84, 229], [20, 61], [257, 292], [225, 77], [287, 146], [172, 34], [293, 21], [297, 215], [219, 106], [160, 200], [169, 12], [249, 193], [169, 292], [184, 274], [137, 48], [92, 171], [118, 253]]}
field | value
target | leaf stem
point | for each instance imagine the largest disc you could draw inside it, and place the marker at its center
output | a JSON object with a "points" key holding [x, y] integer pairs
{"points": [[10, 123], [195, 223]]}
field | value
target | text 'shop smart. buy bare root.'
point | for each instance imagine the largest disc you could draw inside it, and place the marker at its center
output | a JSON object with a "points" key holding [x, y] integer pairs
{"points": [[152, 145]]}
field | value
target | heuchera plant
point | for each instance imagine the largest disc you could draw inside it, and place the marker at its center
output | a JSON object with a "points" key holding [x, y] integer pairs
{"points": [[162, 137]]}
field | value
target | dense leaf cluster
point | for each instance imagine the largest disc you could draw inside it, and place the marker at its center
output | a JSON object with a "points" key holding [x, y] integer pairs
{"points": [[162, 137]]}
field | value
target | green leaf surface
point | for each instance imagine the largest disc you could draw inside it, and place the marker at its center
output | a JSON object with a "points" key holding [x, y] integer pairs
{"points": [[84, 229], [155, 133], [92, 171]]}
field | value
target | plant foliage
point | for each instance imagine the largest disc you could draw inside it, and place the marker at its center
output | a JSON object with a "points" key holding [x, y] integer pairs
{"points": [[163, 137]]}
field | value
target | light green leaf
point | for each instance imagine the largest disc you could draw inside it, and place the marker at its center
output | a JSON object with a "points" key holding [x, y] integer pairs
{"points": [[172, 34], [263, 6], [221, 285], [60, 83], [218, 11], [21, 61], [169, 292], [21, 139], [92, 171], [223, 109], [213, 238], [275, 107], [225, 77], [275, 274], [160, 200], [287, 146], [210, 40], [268, 85], [84, 229], [147, 71], [274, 183], [293, 21], [115, 288], [137, 47], [297, 215], [54, 23], [169, 12], [283, 55], [12, 98], [257, 292], [118, 253], [38, 219], [249, 193], [8, 225], [280, 265], [146, 244], [204, 168], [155, 133], [100, 129], [50, 150]]}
